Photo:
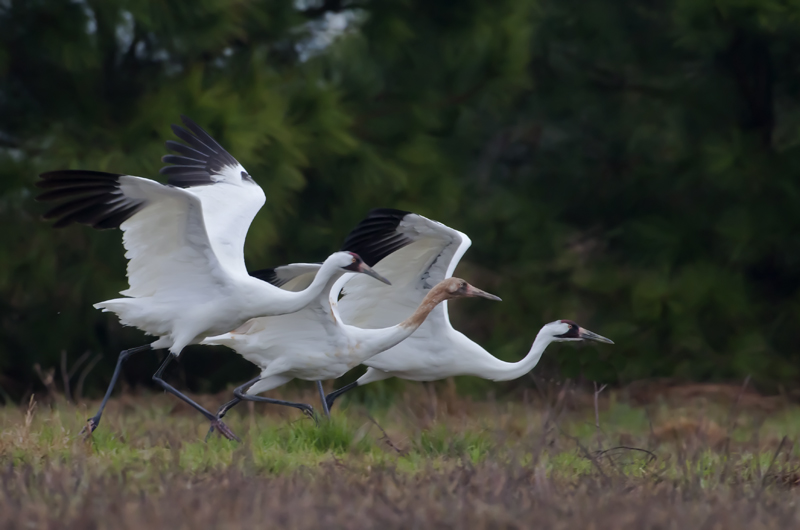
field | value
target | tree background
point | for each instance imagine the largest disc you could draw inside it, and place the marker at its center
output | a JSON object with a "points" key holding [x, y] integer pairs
{"points": [[632, 166]]}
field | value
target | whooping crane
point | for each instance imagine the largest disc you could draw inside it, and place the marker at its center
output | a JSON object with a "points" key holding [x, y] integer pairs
{"points": [[314, 344], [424, 252], [185, 246]]}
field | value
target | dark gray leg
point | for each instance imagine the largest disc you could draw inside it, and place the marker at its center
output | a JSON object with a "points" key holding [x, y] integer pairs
{"points": [[308, 410], [215, 423], [324, 401], [222, 411], [229, 405], [330, 398], [94, 421]]}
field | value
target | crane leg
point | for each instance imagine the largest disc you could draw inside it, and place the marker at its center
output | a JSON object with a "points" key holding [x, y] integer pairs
{"points": [[322, 398], [308, 410], [330, 398], [215, 422], [94, 421], [229, 405]]}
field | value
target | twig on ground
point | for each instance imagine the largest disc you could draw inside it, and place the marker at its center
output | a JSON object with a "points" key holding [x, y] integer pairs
{"points": [[731, 422], [29, 414], [88, 368], [596, 407], [47, 379], [82, 359], [652, 456], [757, 438], [434, 402], [385, 437], [650, 423], [65, 376], [735, 403], [552, 414], [597, 411], [585, 451], [769, 469]]}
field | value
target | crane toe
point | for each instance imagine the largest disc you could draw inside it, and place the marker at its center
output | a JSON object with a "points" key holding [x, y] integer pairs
{"points": [[88, 429], [222, 429]]}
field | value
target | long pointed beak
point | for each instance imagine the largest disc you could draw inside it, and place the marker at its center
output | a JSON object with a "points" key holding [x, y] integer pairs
{"points": [[591, 335], [474, 291], [366, 269]]}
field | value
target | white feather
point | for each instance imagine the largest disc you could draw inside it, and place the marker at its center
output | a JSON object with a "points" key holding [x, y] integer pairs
{"points": [[432, 257]]}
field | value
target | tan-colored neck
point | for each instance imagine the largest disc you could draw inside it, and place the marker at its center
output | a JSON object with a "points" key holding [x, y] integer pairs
{"points": [[434, 297]]}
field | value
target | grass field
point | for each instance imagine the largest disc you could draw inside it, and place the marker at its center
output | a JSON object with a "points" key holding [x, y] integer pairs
{"points": [[711, 457]]}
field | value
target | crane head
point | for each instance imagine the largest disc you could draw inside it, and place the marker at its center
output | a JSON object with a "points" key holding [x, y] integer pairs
{"points": [[456, 288], [567, 330], [354, 263]]}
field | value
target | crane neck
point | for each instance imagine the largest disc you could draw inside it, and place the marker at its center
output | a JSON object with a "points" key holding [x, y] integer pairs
{"points": [[282, 302], [496, 370], [435, 296]]}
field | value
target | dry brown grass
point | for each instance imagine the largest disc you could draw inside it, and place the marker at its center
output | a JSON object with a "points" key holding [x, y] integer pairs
{"points": [[687, 462], [481, 496]]}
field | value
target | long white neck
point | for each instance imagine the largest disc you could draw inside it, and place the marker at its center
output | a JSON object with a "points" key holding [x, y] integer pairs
{"points": [[490, 367], [279, 302]]}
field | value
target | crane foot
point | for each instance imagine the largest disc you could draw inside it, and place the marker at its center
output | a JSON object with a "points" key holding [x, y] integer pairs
{"points": [[222, 429], [88, 429]]}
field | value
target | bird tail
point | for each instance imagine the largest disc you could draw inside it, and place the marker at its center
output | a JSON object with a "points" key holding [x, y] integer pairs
{"points": [[226, 339], [131, 313], [125, 308]]}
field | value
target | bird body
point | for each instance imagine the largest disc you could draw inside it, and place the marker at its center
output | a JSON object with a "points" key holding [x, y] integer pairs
{"points": [[314, 344], [212, 301], [291, 343], [461, 356], [184, 242], [423, 252], [417, 253]]}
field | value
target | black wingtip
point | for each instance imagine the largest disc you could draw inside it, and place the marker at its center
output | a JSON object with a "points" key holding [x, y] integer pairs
{"points": [[376, 236], [267, 275], [190, 123], [93, 198], [387, 212], [201, 157]]}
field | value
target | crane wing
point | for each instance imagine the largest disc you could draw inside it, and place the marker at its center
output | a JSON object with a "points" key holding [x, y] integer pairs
{"points": [[415, 253], [164, 233], [379, 224], [230, 196], [292, 277]]}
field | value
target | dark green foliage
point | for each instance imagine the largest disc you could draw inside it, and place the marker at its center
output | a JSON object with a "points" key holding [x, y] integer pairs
{"points": [[631, 166]]}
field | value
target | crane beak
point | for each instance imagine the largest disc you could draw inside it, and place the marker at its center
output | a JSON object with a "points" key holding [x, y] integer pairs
{"points": [[474, 291], [591, 335], [366, 269]]}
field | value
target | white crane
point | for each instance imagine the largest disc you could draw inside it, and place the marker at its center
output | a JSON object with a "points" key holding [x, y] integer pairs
{"points": [[416, 253], [314, 344], [185, 247]]}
